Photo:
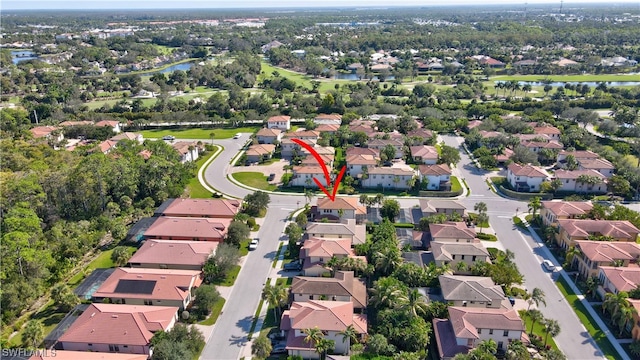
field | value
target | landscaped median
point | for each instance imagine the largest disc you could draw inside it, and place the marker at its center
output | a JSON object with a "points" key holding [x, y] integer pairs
{"points": [[254, 179]]}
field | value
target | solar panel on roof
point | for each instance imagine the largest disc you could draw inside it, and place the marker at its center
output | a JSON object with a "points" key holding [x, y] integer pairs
{"points": [[135, 286]]}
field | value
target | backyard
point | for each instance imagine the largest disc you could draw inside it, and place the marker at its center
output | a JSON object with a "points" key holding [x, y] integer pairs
{"points": [[198, 133]]}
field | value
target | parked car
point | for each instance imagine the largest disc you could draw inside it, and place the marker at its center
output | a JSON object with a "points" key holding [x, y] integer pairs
{"points": [[254, 244], [292, 266], [549, 265], [168, 137], [271, 177], [279, 348], [237, 136]]}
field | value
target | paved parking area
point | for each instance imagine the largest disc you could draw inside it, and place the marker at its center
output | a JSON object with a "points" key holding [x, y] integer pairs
{"points": [[274, 168]]}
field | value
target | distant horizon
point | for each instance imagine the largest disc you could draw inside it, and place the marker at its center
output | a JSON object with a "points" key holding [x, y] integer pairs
{"points": [[277, 4]]}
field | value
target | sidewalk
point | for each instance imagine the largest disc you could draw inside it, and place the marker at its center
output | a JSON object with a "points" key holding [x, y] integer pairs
{"points": [[614, 342]]}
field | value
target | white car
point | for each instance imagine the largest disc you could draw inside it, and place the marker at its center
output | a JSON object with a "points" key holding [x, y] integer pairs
{"points": [[168, 137], [237, 136], [254, 244], [549, 265]]}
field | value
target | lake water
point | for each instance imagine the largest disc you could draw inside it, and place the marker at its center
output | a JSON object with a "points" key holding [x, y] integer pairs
{"points": [[343, 76], [22, 55], [590, 83], [172, 68]]}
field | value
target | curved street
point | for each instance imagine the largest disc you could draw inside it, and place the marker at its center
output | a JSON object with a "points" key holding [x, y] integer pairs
{"points": [[229, 335]]}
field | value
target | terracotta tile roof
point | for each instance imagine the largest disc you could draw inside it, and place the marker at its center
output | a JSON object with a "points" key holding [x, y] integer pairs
{"points": [[390, 171], [490, 134], [552, 130], [367, 129], [580, 154], [342, 202], [424, 151], [470, 288], [583, 228], [438, 169], [383, 143], [329, 116], [542, 144], [467, 320], [361, 159], [310, 160], [326, 248], [533, 137], [474, 124], [623, 278], [146, 154], [260, 149], [119, 324], [303, 134], [314, 170], [321, 150], [446, 339], [574, 174], [126, 136], [174, 252], [289, 140], [444, 250], [598, 163], [326, 315], [362, 151], [87, 355], [163, 284], [279, 118], [327, 128], [266, 132], [111, 123], [452, 230], [182, 147], [605, 251], [42, 131], [567, 208], [346, 228], [433, 205], [343, 284], [506, 155], [527, 170], [224, 208], [211, 229], [423, 133], [75, 123], [107, 145]]}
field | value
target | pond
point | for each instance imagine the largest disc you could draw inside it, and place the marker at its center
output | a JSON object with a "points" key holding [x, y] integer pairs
{"points": [[351, 76], [184, 67], [589, 83], [22, 55]]}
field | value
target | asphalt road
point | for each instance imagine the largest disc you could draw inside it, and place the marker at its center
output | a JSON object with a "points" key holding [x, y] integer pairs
{"points": [[229, 334]]}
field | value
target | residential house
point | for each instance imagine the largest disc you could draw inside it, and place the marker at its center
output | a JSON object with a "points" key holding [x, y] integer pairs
{"points": [[532, 137], [452, 254], [537, 146], [447, 207], [159, 287], [452, 232], [614, 280], [578, 155], [113, 124], [420, 136], [281, 122], [303, 176], [188, 228], [259, 153], [594, 254], [332, 317], [571, 230], [389, 178], [85, 355], [354, 150], [489, 61], [109, 328], [339, 209], [411, 238], [358, 164], [328, 119], [137, 137], [380, 144], [504, 156], [316, 252], [473, 124], [467, 327], [327, 151], [424, 154], [571, 181], [47, 132], [310, 160], [310, 135], [472, 291], [551, 131], [346, 229], [201, 208], [173, 254], [344, 286], [269, 136], [76, 123], [188, 151], [552, 211], [563, 62], [327, 128], [290, 149], [603, 166], [526, 178], [365, 128], [107, 146], [437, 177]]}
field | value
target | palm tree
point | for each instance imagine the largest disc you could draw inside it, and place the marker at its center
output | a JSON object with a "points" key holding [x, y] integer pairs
{"points": [[624, 315], [551, 327], [535, 315], [415, 304], [461, 266], [277, 296], [323, 346], [592, 284], [33, 334], [517, 351], [571, 253], [537, 297], [261, 347], [549, 233], [313, 335], [534, 205], [379, 199], [364, 200], [385, 293], [387, 261], [480, 207], [349, 335], [308, 194], [481, 219], [212, 135]]}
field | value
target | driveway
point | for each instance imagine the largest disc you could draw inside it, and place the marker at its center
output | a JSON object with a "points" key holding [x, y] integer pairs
{"points": [[276, 168]]}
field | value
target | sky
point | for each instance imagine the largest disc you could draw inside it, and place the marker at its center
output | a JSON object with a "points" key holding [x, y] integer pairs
{"points": [[171, 4]]}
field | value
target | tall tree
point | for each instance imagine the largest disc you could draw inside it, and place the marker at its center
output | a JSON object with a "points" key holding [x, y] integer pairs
{"points": [[534, 205], [277, 296], [551, 327], [33, 334], [536, 297], [261, 347]]}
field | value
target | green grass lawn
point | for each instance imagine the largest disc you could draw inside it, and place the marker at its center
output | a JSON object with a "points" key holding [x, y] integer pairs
{"points": [[49, 316], [568, 78], [473, 217], [286, 281], [538, 329], [303, 79], [586, 319], [244, 247], [230, 279], [215, 312], [195, 189], [455, 184], [103, 261], [198, 133], [254, 179], [518, 222]]}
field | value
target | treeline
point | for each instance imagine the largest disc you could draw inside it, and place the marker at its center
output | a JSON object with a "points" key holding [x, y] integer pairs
{"points": [[57, 206]]}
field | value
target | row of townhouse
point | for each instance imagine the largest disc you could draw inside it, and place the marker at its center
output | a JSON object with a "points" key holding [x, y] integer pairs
{"points": [[590, 177], [147, 296]]}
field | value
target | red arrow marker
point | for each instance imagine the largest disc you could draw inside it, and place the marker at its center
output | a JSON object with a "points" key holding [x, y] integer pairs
{"points": [[315, 154]]}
